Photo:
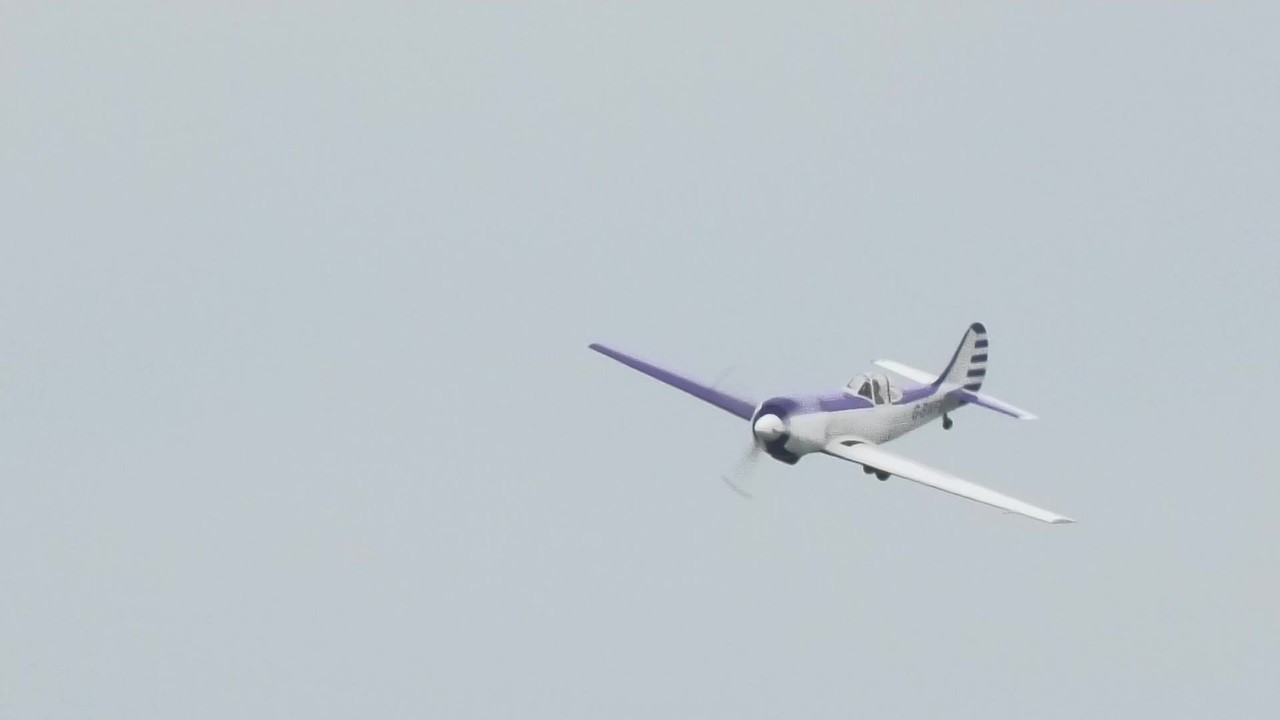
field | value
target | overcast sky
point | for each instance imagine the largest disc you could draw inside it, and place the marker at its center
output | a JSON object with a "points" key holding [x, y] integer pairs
{"points": [[297, 417]]}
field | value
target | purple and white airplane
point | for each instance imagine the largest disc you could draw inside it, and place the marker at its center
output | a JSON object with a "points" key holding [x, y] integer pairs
{"points": [[854, 423]]}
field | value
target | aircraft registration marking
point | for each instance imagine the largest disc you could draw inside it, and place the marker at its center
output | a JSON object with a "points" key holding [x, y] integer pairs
{"points": [[925, 409]]}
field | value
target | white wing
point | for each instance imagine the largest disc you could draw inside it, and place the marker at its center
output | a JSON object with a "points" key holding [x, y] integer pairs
{"points": [[908, 372], [881, 459]]}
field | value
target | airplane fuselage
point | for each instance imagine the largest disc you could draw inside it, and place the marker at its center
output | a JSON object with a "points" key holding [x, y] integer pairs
{"points": [[814, 421]]}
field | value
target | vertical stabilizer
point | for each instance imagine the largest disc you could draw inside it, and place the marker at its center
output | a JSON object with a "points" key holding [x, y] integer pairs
{"points": [[968, 365]]}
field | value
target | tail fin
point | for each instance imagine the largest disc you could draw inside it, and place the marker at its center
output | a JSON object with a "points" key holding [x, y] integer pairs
{"points": [[968, 367]]}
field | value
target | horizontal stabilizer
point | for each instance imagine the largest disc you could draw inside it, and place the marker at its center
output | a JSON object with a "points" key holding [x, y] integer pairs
{"points": [[973, 397], [908, 372], [991, 403]]}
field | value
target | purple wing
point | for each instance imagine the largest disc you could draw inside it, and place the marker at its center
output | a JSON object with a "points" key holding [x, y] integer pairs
{"points": [[736, 406]]}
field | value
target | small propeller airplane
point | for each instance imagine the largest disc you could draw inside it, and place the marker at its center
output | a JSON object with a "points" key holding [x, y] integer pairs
{"points": [[853, 424]]}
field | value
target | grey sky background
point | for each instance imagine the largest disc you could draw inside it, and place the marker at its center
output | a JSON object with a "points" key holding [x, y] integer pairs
{"points": [[297, 417]]}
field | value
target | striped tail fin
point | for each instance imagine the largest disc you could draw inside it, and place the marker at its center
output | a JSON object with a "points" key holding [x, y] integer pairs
{"points": [[968, 367]]}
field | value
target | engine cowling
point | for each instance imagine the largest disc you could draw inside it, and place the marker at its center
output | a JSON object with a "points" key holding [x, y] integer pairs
{"points": [[770, 428]]}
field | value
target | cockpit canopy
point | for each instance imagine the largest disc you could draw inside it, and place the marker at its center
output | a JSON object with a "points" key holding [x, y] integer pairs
{"points": [[874, 387]]}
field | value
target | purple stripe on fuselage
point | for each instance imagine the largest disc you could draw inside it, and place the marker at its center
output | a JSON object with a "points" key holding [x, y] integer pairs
{"points": [[737, 406], [831, 403], [845, 401]]}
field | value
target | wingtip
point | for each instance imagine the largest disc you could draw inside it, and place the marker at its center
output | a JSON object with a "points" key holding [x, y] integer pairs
{"points": [[1062, 521]]}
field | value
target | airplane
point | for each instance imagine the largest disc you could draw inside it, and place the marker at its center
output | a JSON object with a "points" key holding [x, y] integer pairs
{"points": [[855, 423]]}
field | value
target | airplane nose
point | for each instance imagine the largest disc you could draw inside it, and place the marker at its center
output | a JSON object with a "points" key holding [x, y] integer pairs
{"points": [[769, 427]]}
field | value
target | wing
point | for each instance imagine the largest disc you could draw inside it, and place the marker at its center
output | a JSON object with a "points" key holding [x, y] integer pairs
{"points": [[734, 405], [881, 459]]}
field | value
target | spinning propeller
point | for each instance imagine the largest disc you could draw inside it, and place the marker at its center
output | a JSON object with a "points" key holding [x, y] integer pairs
{"points": [[766, 428]]}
